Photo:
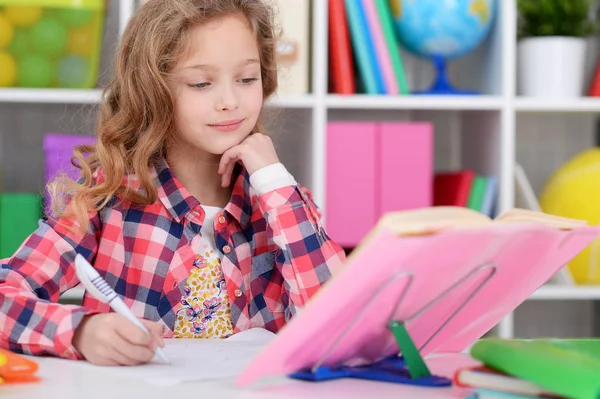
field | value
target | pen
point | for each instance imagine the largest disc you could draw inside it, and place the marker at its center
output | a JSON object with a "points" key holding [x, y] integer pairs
{"points": [[100, 289]]}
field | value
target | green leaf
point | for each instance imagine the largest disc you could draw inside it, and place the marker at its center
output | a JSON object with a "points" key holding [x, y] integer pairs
{"points": [[556, 18]]}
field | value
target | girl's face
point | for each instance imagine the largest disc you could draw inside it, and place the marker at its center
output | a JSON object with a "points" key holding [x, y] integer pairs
{"points": [[218, 89]]}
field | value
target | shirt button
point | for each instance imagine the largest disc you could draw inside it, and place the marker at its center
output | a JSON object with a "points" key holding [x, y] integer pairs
{"points": [[226, 249], [237, 293], [222, 219]]}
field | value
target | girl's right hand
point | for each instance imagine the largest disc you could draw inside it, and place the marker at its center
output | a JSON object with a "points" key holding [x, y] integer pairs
{"points": [[109, 339]]}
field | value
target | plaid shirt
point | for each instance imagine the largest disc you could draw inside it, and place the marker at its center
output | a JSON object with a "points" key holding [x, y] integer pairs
{"points": [[275, 256]]}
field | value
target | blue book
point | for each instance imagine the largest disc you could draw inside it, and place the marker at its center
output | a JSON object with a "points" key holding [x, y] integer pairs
{"points": [[363, 48], [490, 196]]}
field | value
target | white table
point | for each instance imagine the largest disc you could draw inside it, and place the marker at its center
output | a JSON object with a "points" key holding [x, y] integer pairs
{"points": [[62, 379]]}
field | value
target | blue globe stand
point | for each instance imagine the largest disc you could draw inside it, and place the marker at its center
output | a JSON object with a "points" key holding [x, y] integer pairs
{"points": [[441, 85]]}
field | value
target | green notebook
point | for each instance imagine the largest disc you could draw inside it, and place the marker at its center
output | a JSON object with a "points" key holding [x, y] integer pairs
{"points": [[568, 367]]}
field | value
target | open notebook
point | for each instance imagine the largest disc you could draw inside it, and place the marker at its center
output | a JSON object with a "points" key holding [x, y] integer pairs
{"points": [[449, 274]]}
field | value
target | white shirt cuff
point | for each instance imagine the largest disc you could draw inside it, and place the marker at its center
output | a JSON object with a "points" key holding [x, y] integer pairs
{"points": [[271, 178]]}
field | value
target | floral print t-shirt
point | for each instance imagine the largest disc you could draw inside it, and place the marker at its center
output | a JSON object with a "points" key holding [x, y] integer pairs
{"points": [[204, 310]]}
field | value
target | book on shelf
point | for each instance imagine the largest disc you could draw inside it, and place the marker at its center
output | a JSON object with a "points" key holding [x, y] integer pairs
{"points": [[364, 52], [466, 188]]}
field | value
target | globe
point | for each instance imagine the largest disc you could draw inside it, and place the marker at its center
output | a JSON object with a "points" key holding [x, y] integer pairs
{"points": [[442, 30]]}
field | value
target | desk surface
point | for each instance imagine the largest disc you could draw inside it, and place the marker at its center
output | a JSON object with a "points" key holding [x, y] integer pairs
{"points": [[65, 380]]}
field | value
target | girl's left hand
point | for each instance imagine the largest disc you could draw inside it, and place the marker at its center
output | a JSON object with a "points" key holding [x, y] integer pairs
{"points": [[255, 152]]}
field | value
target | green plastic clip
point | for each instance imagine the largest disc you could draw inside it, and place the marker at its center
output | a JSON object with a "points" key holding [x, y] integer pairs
{"points": [[414, 361]]}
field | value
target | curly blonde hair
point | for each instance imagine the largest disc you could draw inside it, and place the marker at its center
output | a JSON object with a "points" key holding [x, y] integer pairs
{"points": [[136, 117]]}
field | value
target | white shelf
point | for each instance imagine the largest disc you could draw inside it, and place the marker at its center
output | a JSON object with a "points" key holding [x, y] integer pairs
{"points": [[86, 96], [302, 101], [584, 104], [549, 292], [50, 96], [458, 103]]}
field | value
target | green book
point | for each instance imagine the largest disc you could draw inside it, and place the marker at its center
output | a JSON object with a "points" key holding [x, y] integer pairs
{"points": [[387, 26], [567, 367], [477, 193]]}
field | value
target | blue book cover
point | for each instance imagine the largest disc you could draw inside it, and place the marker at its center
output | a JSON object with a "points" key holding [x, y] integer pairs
{"points": [[363, 48]]}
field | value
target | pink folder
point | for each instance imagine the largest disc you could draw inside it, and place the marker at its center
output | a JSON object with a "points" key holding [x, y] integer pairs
{"points": [[406, 166], [449, 288], [351, 181], [373, 168]]}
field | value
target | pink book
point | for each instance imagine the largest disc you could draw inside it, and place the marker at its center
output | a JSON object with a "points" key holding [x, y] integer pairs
{"points": [[406, 166], [381, 50], [449, 273], [350, 207]]}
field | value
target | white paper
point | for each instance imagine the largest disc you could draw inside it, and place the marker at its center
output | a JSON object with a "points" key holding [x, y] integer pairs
{"points": [[197, 359]]}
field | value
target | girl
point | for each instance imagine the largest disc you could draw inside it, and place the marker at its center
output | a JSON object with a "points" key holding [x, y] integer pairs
{"points": [[183, 206]]}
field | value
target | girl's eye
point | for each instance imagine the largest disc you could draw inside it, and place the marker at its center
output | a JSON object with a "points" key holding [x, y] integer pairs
{"points": [[248, 80], [202, 85]]}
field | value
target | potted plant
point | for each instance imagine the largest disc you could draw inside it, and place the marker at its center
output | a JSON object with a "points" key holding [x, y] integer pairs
{"points": [[552, 46]]}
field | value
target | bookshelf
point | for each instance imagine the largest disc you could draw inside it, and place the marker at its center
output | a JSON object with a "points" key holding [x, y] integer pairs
{"points": [[488, 132]]}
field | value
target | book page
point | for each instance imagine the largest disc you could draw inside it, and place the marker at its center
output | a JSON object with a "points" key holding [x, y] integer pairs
{"points": [[530, 216], [196, 359], [429, 220]]}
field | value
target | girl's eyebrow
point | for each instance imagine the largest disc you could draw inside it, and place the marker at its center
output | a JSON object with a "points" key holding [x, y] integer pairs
{"points": [[209, 67]]}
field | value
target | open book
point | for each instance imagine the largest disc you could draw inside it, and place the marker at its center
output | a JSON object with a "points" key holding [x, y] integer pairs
{"points": [[448, 274], [438, 219], [431, 220]]}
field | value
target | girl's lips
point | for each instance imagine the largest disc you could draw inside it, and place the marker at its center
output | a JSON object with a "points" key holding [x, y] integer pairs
{"points": [[227, 126]]}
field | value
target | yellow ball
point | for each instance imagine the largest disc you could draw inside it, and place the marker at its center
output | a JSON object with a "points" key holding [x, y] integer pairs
{"points": [[81, 41], [6, 31], [574, 191], [8, 70], [24, 15]]}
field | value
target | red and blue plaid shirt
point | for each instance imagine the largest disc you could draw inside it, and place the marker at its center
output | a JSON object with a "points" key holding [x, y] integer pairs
{"points": [[275, 256]]}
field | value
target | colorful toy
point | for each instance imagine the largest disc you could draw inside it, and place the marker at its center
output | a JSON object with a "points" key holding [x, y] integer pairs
{"points": [[8, 69], [573, 191], [19, 47], [81, 41], [6, 31], [75, 17], [35, 71], [23, 15], [51, 43], [49, 37], [73, 71]]}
